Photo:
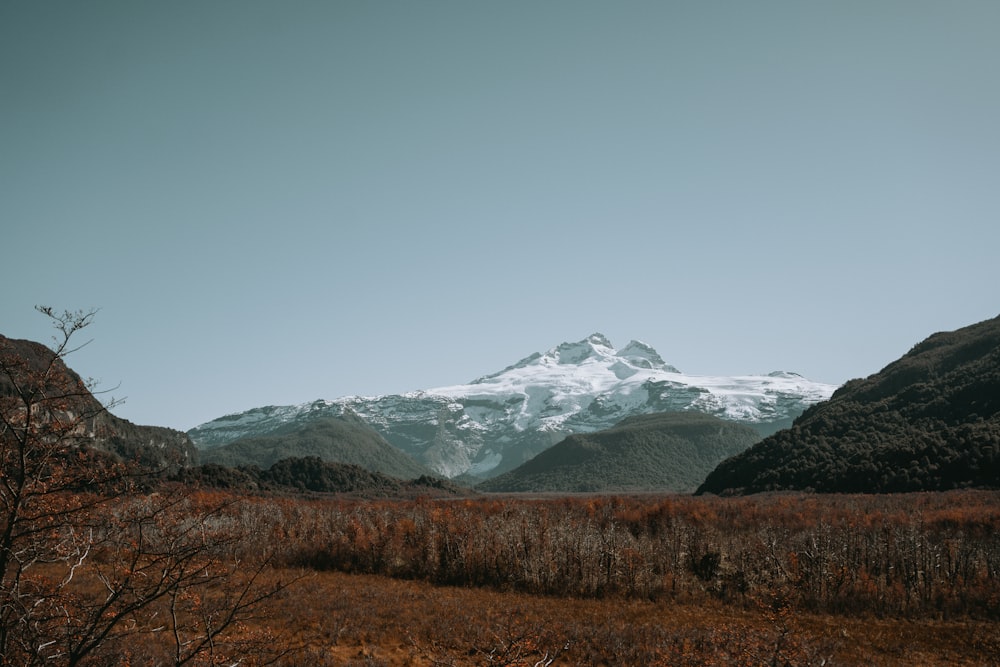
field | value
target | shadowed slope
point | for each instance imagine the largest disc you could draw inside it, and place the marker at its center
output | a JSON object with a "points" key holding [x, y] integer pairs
{"points": [[660, 452], [335, 439], [928, 421]]}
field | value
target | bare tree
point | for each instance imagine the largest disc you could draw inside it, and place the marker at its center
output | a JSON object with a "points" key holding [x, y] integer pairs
{"points": [[87, 563]]}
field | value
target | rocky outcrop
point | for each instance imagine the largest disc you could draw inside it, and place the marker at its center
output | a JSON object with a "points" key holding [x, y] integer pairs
{"points": [[151, 447]]}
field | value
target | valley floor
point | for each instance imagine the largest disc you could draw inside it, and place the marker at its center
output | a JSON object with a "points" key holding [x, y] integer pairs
{"points": [[368, 620], [210, 577]]}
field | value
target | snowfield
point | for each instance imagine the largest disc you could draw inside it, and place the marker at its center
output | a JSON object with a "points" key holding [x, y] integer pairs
{"points": [[496, 422]]}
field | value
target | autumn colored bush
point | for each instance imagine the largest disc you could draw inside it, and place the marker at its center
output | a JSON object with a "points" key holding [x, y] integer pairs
{"points": [[911, 556], [348, 619]]}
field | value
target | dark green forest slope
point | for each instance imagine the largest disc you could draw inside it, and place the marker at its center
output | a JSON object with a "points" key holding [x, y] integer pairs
{"points": [[335, 439], [659, 452], [312, 474], [928, 421]]}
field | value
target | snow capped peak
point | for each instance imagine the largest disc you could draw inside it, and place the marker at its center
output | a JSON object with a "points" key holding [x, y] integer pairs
{"points": [[594, 346], [640, 355], [577, 385], [597, 348], [599, 339], [493, 423], [593, 352]]}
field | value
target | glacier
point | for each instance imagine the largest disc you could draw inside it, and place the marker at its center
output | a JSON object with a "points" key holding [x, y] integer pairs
{"points": [[498, 421]]}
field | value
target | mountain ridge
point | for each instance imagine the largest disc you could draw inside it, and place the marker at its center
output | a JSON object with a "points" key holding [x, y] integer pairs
{"points": [[346, 440], [500, 420]]}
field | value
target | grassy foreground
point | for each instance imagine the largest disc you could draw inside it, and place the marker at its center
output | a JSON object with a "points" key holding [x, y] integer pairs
{"points": [[195, 577], [785, 579], [368, 620]]}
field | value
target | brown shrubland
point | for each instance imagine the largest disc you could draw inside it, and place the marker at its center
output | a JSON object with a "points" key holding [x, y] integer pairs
{"points": [[913, 556], [786, 579]]}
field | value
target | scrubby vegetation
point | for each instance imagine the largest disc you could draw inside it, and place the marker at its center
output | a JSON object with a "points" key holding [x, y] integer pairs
{"points": [[661, 580], [654, 580], [365, 620], [913, 555]]}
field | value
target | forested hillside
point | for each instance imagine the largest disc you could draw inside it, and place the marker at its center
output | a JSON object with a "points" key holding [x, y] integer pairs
{"points": [[344, 439], [928, 421], [659, 452]]}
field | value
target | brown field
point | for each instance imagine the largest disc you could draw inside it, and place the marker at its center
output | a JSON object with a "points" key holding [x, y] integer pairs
{"points": [[341, 619], [786, 579], [641, 580]]}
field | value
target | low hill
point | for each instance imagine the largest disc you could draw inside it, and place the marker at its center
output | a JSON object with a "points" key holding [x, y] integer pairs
{"points": [[659, 452], [312, 474], [928, 421], [344, 439]]}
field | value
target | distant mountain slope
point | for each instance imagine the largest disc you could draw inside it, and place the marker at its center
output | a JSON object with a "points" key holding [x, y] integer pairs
{"points": [[497, 422], [153, 447], [346, 440], [928, 421], [660, 452]]}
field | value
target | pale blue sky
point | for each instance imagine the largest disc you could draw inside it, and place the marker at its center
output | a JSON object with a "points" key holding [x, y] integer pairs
{"points": [[273, 202]]}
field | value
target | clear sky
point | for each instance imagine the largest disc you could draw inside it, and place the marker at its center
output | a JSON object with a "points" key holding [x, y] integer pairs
{"points": [[273, 202]]}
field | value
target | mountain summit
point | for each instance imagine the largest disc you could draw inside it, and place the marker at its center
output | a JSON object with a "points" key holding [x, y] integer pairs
{"points": [[594, 349], [498, 421], [597, 349]]}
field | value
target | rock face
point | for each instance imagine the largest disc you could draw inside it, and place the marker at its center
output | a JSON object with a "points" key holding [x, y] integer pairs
{"points": [[152, 447], [928, 421], [497, 422]]}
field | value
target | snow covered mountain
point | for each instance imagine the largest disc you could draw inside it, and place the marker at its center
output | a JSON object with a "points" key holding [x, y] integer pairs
{"points": [[499, 421]]}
